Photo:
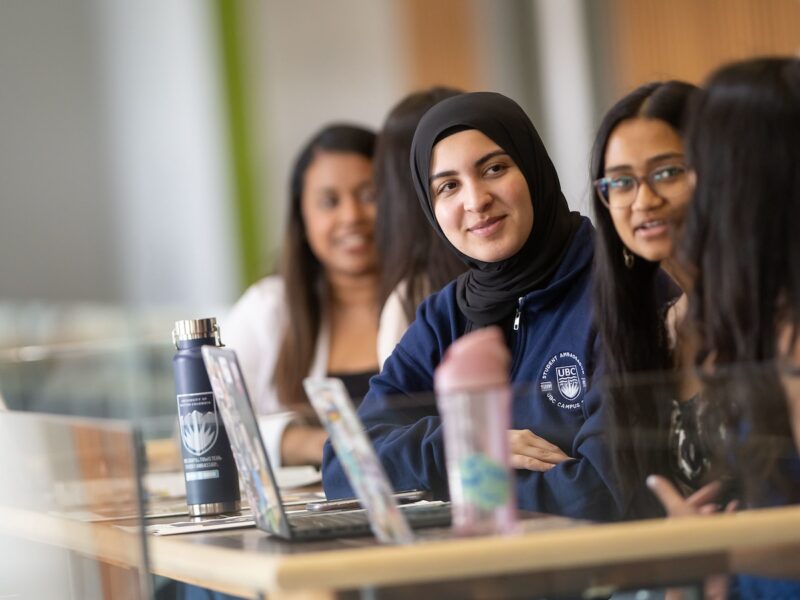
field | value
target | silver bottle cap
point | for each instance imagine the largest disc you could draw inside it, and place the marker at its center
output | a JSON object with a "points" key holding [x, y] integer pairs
{"points": [[195, 329]]}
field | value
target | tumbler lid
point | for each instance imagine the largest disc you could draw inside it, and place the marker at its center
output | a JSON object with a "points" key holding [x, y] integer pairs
{"points": [[195, 329]]}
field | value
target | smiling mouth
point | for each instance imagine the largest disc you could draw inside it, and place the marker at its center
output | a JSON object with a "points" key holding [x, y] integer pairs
{"points": [[353, 241], [653, 224], [488, 226]]}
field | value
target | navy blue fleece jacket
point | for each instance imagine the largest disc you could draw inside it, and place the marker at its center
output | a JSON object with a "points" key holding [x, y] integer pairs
{"points": [[553, 351]]}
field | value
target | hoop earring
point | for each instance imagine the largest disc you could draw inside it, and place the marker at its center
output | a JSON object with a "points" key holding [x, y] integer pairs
{"points": [[627, 256]]}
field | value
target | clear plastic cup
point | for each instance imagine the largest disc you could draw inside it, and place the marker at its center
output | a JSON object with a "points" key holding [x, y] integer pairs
{"points": [[476, 423]]}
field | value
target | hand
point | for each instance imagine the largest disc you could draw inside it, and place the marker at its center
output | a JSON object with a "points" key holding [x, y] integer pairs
{"points": [[700, 503], [302, 445], [529, 451]]}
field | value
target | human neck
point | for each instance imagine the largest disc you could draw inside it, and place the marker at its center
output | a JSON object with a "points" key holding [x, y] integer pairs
{"points": [[677, 273], [350, 291]]}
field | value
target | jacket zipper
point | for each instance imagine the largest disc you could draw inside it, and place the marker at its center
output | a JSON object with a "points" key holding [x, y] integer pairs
{"points": [[518, 341], [518, 314]]}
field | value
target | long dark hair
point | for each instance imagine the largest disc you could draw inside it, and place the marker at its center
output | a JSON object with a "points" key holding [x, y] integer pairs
{"points": [[742, 242], [629, 314], [408, 248], [302, 272]]}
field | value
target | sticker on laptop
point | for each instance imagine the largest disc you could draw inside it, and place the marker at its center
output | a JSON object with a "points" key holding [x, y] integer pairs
{"points": [[354, 450]]}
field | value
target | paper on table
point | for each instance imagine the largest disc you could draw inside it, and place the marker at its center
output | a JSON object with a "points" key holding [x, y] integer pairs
{"points": [[172, 485], [206, 524], [293, 477]]}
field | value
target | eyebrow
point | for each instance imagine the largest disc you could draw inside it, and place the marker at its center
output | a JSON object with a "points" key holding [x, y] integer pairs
{"points": [[483, 159], [367, 183], [334, 190], [653, 159]]}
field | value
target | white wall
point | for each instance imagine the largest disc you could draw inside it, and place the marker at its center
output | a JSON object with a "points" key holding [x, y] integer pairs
{"points": [[113, 166], [538, 53], [166, 126], [56, 239], [312, 63], [565, 88]]}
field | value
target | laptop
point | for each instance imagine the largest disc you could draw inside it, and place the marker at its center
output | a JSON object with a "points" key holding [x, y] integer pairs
{"points": [[391, 524], [259, 481]]}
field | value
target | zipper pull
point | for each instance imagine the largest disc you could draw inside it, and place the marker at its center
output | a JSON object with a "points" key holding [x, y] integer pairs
{"points": [[518, 314]]}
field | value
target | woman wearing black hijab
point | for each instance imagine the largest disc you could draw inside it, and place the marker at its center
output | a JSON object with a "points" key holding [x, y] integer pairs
{"points": [[488, 187]]}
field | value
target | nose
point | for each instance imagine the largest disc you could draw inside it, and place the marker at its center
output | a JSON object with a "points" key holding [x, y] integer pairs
{"points": [[353, 211], [646, 198], [477, 198]]}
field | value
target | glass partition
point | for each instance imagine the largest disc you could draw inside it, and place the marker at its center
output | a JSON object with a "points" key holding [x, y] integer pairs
{"points": [[70, 524], [121, 380], [736, 428], [737, 425], [90, 360]]}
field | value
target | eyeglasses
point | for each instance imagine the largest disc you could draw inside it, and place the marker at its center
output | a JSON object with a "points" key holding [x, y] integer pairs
{"points": [[668, 182]]}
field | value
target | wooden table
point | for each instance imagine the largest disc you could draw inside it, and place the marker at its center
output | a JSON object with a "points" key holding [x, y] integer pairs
{"points": [[590, 559], [594, 559]]}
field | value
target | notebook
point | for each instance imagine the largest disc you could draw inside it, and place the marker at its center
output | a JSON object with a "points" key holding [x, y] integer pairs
{"points": [[256, 474]]}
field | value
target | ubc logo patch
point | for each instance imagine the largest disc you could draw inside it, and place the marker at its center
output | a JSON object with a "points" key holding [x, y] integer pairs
{"points": [[563, 381]]}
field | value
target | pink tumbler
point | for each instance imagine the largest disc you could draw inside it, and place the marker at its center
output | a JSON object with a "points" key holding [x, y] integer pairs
{"points": [[474, 399]]}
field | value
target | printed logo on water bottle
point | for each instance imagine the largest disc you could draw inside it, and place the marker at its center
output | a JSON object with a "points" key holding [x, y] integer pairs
{"points": [[484, 481], [198, 421], [565, 374]]}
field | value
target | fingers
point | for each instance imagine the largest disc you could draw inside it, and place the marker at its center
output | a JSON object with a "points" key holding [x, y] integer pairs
{"points": [[699, 503], [708, 509], [550, 456], [519, 461], [537, 456], [705, 494], [675, 504], [531, 452], [524, 444], [525, 437]]}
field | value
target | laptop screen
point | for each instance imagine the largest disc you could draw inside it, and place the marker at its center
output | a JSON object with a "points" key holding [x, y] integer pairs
{"points": [[335, 410], [248, 448]]}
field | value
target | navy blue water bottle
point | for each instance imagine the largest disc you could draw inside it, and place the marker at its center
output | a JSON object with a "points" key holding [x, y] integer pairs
{"points": [[212, 480]]}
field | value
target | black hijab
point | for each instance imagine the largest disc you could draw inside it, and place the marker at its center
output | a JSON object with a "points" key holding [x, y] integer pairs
{"points": [[488, 292]]}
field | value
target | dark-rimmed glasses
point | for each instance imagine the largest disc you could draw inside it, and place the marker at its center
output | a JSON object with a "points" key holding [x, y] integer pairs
{"points": [[668, 182]]}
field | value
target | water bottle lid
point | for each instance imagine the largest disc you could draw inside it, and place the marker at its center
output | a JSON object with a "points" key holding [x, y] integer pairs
{"points": [[195, 329]]}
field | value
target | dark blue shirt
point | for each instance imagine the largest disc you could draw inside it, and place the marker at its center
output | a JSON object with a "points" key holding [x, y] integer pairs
{"points": [[553, 352]]}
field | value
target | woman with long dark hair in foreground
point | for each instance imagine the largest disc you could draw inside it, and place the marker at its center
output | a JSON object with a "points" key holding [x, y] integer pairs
{"points": [[743, 249]]}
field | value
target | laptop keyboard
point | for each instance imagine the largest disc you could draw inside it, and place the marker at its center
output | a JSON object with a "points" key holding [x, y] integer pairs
{"points": [[337, 523], [329, 521]]}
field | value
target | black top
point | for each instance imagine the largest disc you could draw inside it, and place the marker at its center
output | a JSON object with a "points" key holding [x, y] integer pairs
{"points": [[356, 384], [689, 455]]}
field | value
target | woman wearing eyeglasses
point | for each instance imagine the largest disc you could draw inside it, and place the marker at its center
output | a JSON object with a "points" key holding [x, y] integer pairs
{"points": [[642, 188]]}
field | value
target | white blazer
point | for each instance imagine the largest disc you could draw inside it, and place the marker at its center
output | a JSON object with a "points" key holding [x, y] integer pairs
{"points": [[393, 323], [254, 329]]}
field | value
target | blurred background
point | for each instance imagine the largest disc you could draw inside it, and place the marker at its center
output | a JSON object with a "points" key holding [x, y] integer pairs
{"points": [[146, 145]]}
